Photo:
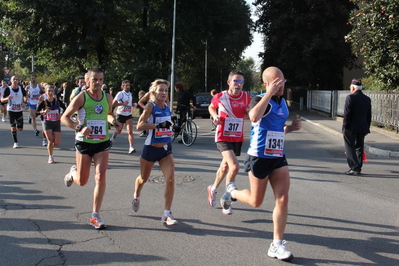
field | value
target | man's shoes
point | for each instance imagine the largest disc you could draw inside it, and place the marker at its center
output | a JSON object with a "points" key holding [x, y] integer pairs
{"points": [[352, 172], [280, 252], [36, 132], [228, 211], [97, 223], [168, 219], [136, 204], [225, 201], [29, 120], [211, 196], [3, 119], [44, 143], [68, 180], [143, 134], [15, 145], [50, 159], [132, 150]]}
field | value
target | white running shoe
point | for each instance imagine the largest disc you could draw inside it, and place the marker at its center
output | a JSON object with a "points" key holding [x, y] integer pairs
{"points": [[50, 159], [225, 202], [3, 119], [211, 196], [44, 142], [132, 150], [280, 252], [97, 223], [136, 204], [68, 180], [228, 211], [168, 219], [15, 145]]}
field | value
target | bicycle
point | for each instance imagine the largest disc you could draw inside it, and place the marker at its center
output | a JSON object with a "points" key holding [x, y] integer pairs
{"points": [[187, 129]]}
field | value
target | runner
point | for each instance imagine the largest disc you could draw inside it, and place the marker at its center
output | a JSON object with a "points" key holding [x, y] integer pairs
{"points": [[92, 139], [123, 101], [15, 95], [156, 118], [232, 108], [51, 110]]}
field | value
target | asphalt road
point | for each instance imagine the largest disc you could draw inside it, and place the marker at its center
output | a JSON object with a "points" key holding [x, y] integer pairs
{"points": [[333, 219]]}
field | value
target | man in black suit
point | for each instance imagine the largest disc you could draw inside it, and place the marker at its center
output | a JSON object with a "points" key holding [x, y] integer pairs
{"points": [[356, 125]]}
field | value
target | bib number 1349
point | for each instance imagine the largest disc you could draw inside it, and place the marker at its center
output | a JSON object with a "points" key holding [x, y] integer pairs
{"points": [[274, 144]]}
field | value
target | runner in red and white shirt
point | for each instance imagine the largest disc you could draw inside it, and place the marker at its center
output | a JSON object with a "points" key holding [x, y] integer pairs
{"points": [[228, 109]]}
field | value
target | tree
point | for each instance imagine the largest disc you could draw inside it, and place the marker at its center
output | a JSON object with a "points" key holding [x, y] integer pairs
{"points": [[375, 36], [305, 38], [127, 38], [247, 67]]}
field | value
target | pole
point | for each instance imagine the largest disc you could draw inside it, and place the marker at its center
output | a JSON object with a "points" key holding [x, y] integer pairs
{"points": [[206, 65], [172, 75], [33, 64]]}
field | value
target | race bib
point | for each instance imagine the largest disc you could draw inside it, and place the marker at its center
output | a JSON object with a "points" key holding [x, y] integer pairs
{"points": [[16, 107], [274, 144], [233, 127], [53, 115], [163, 132], [98, 128], [127, 108]]}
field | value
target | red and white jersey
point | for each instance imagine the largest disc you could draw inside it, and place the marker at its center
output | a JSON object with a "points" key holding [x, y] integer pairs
{"points": [[232, 111]]}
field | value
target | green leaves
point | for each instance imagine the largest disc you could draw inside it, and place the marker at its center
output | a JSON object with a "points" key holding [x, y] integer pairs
{"points": [[375, 36], [305, 38], [129, 38]]}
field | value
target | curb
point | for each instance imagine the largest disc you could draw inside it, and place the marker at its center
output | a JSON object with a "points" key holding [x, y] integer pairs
{"points": [[367, 147]]}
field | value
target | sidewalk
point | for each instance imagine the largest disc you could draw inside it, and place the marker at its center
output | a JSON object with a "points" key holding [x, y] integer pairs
{"points": [[379, 142]]}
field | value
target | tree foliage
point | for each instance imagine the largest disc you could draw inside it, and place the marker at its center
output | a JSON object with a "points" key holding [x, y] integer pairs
{"points": [[375, 36], [305, 38], [128, 38]]}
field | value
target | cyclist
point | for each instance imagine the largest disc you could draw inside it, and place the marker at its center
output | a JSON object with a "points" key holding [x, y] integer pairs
{"points": [[183, 101]]}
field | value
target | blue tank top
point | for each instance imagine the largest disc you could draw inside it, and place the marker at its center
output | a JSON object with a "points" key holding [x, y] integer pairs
{"points": [[267, 134], [160, 135]]}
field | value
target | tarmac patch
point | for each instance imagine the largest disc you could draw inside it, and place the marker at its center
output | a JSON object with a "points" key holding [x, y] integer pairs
{"points": [[179, 179]]}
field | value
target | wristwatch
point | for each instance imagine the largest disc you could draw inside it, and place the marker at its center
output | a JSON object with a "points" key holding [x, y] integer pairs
{"points": [[78, 128]]}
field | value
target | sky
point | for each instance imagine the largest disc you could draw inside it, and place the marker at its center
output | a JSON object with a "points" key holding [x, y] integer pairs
{"points": [[257, 46]]}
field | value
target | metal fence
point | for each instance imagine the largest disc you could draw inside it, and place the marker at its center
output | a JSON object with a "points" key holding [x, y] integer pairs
{"points": [[385, 105]]}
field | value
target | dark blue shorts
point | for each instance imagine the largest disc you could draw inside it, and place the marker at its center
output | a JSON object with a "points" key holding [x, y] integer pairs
{"points": [[155, 154]]}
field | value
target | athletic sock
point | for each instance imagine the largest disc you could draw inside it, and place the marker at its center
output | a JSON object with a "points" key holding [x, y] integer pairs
{"points": [[14, 136]]}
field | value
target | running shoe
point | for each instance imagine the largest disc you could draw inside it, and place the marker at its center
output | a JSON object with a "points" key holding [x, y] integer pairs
{"points": [[44, 143], [97, 223], [225, 201], [36, 132], [230, 187], [50, 159], [280, 252], [143, 134], [168, 219], [136, 204], [29, 120], [15, 145], [68, 180], [211, 196], [228, 211], [132, 150], [3, 119]]}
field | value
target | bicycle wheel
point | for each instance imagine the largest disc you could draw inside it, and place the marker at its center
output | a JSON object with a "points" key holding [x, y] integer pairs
{"points": [[189, 133]]}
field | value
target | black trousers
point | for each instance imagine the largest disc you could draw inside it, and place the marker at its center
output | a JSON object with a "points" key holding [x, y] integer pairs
{"points": [[354, 147]]}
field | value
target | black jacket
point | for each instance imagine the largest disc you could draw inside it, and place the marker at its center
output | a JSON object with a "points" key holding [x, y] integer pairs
{"points": [[357, 113]]}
